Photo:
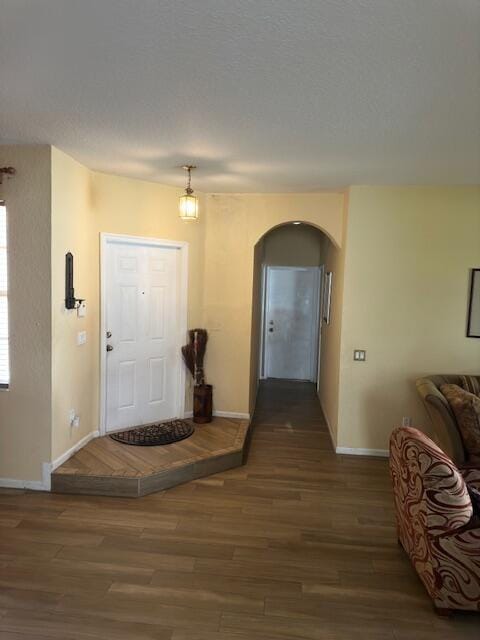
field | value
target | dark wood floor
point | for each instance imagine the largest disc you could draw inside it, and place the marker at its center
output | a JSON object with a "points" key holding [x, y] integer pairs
{"points": [[298, 543]]}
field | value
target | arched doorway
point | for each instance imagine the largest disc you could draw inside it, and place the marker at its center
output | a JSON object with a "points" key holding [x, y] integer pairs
{"points": [[288, 285]]}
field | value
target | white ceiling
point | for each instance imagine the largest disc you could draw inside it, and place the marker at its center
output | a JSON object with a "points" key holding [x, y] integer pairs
{"points": [[264, 95]]}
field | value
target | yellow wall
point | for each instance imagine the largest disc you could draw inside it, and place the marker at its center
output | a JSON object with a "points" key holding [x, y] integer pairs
{"points": [[235, 224], [221, 252], [74, 368], [84, 205], [409, 251], [256, 324], [330, 338], [405, 251], [25, 408], [139, 208], [294, 246], [136, 207]]}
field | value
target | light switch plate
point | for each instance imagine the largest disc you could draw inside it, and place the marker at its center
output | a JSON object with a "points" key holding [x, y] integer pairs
{"points": [[81, 337], [359, 355]]}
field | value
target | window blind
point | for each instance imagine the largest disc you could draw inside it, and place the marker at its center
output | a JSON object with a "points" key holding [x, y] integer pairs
{"points": [[4, 355]]}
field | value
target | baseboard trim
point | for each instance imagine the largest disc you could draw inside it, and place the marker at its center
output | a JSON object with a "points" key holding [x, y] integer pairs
{"points": [[330, 430], [13, 483], [222, 414], [76, 447], [49, 467], [47, 476], [231, 414], [349, 451]]}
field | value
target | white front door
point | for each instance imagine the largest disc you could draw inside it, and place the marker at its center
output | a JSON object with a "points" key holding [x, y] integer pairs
{"points": [[141, 325], [291, 323]]}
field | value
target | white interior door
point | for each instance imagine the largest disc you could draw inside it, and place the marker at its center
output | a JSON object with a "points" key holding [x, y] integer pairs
{"points": [[291, 323], [141, 324]]}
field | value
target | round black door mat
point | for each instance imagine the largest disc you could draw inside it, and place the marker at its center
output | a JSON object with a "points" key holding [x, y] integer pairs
{"points": [[152, 435]]}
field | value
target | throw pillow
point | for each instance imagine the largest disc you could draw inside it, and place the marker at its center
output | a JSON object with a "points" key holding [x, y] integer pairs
{"points": [[471, 384], [466, 408]]}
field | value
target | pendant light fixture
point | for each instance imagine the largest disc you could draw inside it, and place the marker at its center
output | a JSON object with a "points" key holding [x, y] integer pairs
{"points": [[188, 204]]}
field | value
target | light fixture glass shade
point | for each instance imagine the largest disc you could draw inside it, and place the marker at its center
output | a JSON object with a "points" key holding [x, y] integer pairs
{"points": [[188, 207]]}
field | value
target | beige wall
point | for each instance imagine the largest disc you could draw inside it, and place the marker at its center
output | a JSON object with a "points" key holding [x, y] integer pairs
{"points": [[74, 368], [330, 339], [235, 224], [139, 208], [294, 246], [220, 272], [405, 251], [56, 205], [409, 251], [25, 408], [256, 324], [84, 205]]}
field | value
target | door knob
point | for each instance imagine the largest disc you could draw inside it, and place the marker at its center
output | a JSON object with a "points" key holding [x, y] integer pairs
{"points": [[109, 347]]}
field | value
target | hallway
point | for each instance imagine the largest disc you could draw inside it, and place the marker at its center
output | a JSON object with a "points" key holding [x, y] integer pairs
{"points": [[298, 543]]}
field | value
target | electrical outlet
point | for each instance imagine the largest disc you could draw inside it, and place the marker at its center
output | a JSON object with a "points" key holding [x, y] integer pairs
{"points": [[359, 355], [81, 337], [406, 421], [73, 419], [82, 309]]}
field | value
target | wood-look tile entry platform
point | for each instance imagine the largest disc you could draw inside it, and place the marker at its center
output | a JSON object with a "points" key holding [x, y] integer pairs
{"points": [[109, 468]]}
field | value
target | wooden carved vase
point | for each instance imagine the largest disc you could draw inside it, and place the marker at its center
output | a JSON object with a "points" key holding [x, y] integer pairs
{"points": [[202, 403]]}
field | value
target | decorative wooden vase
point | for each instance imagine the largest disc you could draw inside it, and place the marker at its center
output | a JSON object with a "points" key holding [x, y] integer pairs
{"points": [[202, 403]]}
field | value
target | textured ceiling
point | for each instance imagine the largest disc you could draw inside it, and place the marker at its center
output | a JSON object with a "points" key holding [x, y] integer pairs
{"points": [[264, 95]]}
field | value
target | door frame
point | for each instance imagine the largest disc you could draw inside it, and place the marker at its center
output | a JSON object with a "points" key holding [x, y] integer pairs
{"points": [[320, 322], [263, 303], [182, 291], [314, 365]]}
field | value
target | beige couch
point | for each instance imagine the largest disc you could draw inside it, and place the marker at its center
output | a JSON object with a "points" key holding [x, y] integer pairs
{"points": [[444, 421]]}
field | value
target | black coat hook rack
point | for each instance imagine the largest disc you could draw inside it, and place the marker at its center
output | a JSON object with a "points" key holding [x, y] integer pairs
{"points": [[70, 301]]}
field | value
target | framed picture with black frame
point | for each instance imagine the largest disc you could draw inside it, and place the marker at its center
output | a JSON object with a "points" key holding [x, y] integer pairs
{"points": [[473, 316]]}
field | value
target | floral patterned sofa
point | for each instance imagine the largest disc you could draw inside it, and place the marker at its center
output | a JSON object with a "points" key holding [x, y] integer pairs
{"points": [[436, 525]]}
